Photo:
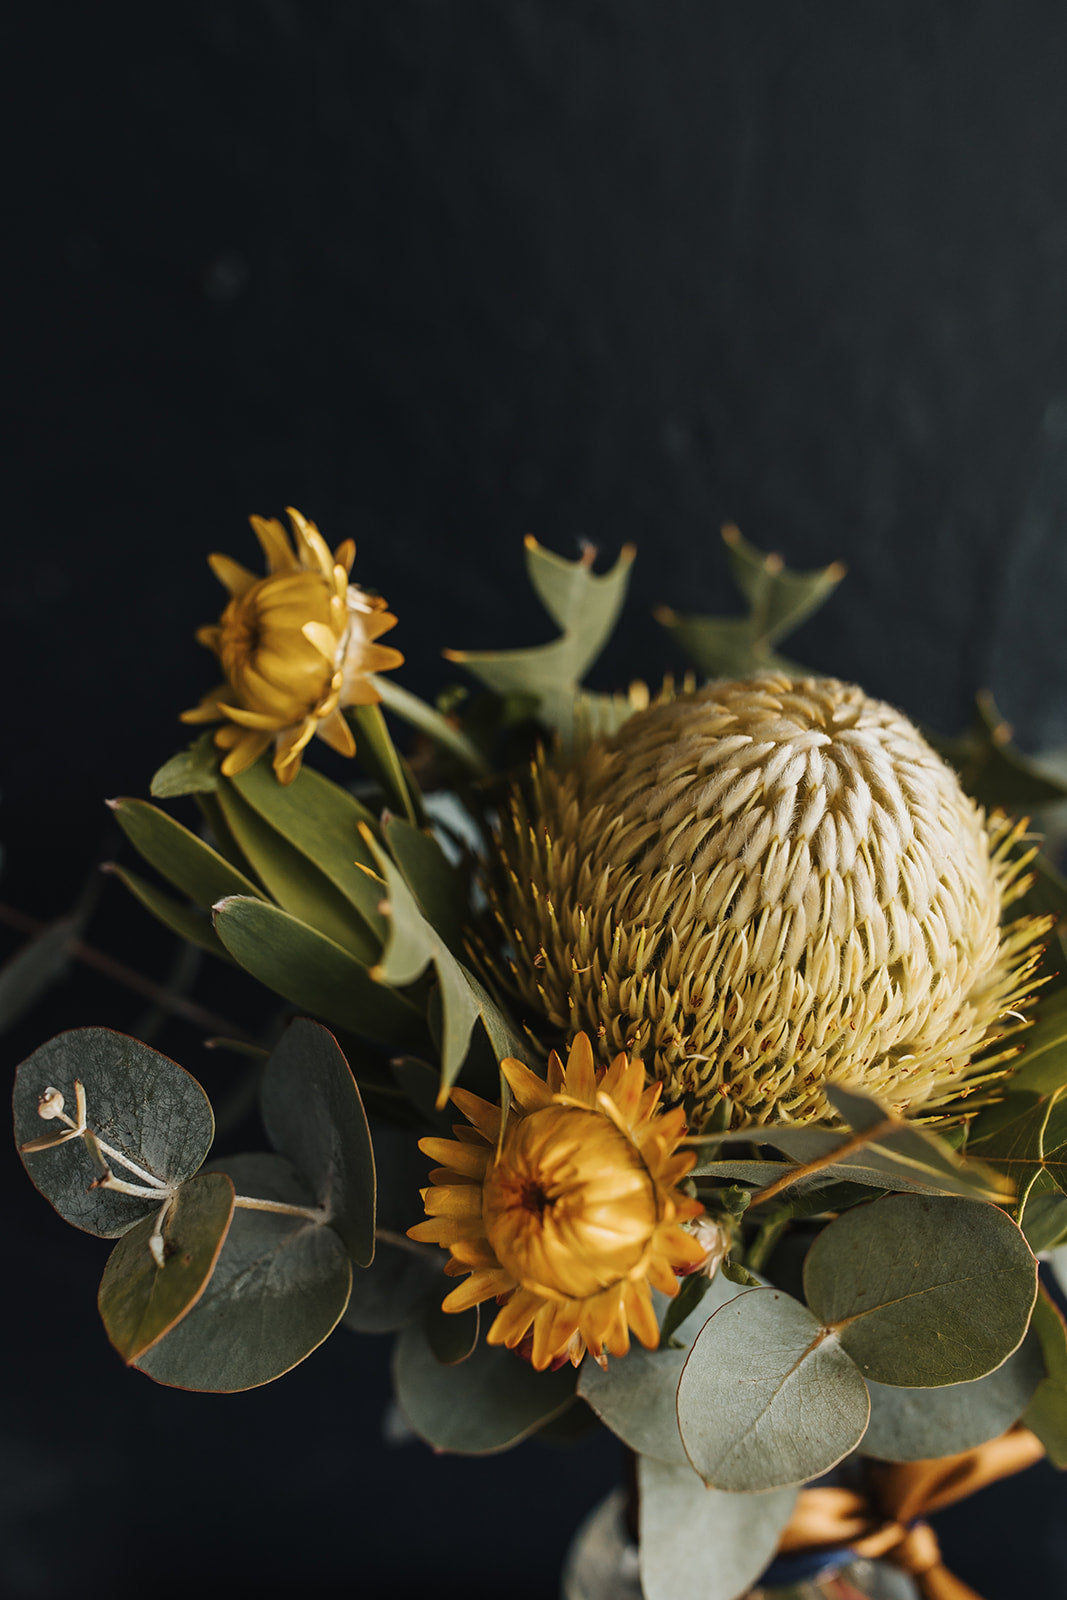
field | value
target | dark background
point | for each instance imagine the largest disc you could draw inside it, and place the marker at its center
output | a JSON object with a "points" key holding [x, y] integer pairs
{"points": [[441, 274]]}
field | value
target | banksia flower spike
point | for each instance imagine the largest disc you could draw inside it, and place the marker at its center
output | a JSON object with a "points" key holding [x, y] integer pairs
{"points": [[296, 647], [763, 887], [566, 1212]]}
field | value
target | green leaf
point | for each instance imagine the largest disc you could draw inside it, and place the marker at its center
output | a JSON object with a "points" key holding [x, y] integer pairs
{"points": [[35, 967], [923, 1290], [1045, 1221], [1046, 1415], [188, 922], [1027, 1141], [313, 1114], [194, 770], [183, 859], [1042, 1066], [584, 607], [140, 1103], [314, 974], [279, 1289], [426, 719], [991, 770], [322, 822], [439, 888], [779, 601], [917, 1424], [452, 1335], [380, 757], [768, 1398], [403, 1275], [140, 1299], [635, 1397], [419, 1084], [480, 1407], [295, 882], [412, 945], [701, 1541]]}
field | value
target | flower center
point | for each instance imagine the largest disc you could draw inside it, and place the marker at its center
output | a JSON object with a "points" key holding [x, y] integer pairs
{"points": [[569, 1206], [270, 665]]}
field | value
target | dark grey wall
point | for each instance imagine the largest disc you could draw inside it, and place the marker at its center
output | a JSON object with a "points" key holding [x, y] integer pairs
{"points": [[440, 274]]}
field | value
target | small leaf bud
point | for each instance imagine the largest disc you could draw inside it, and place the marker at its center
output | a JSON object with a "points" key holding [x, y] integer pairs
{"points": [[50, 1104]]}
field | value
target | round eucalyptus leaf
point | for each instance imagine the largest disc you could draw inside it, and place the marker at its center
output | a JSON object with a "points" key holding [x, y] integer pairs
{"points": [[144, 1291], [916, 1424], [636, 1396], [403, 1275], [767, 1397], [141, 1104], [703, 1541], [314, 1115], [484, 1405], [280, 1286], [923, 1290], [453, 1335]]}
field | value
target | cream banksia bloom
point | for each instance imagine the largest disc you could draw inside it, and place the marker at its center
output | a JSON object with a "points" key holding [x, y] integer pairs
{"points": [[762, 887], [565, 1211], [295, 646]]}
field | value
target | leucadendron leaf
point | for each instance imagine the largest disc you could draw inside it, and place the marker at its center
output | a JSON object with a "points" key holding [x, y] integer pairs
{"points": [[479, 1407], [696, 1540], [767, 1397], [279, 1288], [178, 855], [139, 1105], [313, 1114], [923, 1290], [916, 1424], [158, 1271]]}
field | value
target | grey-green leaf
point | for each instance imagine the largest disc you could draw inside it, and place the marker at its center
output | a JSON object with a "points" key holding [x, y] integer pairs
{"points": [[767, 1397], [403, 1274], [916, 1424], [923, 1290], [139, 1102], [1046, 1415], [703, 1541], [279, 1288], [480, 1407], [313, 1114], [140, 1298]]}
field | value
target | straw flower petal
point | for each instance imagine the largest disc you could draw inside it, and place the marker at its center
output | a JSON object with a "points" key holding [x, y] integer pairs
{"points": [[567, 1215]]}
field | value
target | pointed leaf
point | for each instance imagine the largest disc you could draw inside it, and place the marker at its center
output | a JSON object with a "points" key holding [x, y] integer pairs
{"points": [[194, 770], [34, 967], [178, 855], [382, 760], [438, 886], [137, 1101], [188, 922], [140, 1299], [313, 1114], [315, 974], [767, 1397], [923, 1290], [916, 1424], [992, 771], [1046, 1415], [688, 1530], [484, 1405], [442, 730], [1042, 1067], [278, 1290]]}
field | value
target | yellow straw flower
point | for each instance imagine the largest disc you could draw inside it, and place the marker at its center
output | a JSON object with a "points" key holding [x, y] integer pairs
{"points": [[566, 1211], [764, 886], [295, 646]]}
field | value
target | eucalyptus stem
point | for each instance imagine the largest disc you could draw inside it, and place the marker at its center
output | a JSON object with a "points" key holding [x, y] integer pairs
{"points": [[316, 1214]]}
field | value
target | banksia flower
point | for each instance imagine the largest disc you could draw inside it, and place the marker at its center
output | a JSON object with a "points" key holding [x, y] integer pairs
{"points": [[295, 646], [762, 887], [569, 1215]]}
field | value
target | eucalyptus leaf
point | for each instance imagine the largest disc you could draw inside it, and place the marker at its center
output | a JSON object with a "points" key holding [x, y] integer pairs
{"points": [[313, 1114], [767, 1397], [486, 1404], [313, 973], [635, 1396], [404, 1275], [1042, 1066], [916, 1424], [194, 770], [142, 1296], [138, 1102], [322, 823], [1025, 1138], [178, 855], [923, 1290], [279, 1288], [584, 606], [1046, 1415], [188, 922], [695, 1540], [412, 946], [452, 1335], [294, 881]]}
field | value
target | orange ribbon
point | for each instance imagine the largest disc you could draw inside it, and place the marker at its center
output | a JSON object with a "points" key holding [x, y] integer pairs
{"points": [[888, 1521]]}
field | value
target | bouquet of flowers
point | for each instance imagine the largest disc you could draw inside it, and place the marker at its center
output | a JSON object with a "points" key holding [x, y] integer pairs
{"points": [[722, 1026]]}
